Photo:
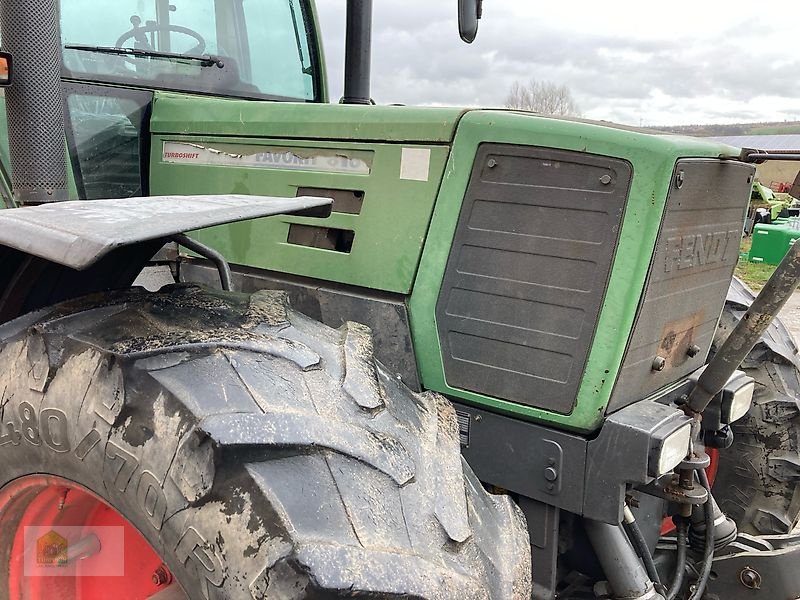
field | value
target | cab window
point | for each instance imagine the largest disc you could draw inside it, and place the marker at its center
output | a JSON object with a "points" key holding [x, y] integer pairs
{"points": [[242, 48]]}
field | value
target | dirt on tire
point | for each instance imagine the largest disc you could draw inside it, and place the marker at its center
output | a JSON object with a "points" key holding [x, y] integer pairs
{"points": [[757, 479], [260, 453]]}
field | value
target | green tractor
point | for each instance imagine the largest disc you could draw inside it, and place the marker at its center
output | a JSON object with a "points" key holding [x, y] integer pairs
{"points": [[423, 353]]}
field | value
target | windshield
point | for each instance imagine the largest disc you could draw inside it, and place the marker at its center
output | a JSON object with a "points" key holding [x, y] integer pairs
{"points": [[258, 48]]}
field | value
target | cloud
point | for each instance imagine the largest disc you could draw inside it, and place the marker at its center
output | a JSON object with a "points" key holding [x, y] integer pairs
{"points": [[664, 63]]}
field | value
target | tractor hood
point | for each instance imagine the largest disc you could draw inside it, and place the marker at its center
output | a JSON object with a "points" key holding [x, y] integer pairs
{"points": [[182, 114], [178, 114]]}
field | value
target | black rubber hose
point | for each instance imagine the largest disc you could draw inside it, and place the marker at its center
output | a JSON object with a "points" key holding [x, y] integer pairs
{"points": [[708, 553], [680, 560], [640, 545]]}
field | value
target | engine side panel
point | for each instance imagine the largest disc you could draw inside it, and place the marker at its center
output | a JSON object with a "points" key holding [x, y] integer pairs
{"points": [[528, 270], [383, 191]]}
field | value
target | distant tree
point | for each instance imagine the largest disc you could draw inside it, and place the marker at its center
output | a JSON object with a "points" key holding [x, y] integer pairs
{"points": [[543, 97]]}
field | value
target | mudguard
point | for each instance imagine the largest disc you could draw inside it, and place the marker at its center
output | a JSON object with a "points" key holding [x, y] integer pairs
{"points": [[79, 233], [54, 252]]}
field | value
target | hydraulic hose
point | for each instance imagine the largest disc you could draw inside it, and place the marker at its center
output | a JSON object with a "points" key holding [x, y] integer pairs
{"points": [[640, 545], [680, 561], [708, 553]]}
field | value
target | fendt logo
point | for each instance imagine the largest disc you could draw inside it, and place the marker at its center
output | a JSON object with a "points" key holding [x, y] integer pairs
{"points": [[690, 251]]}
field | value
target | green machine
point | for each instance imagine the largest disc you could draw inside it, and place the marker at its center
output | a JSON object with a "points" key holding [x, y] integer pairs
{"points": [[772, 242], [398, 352]]}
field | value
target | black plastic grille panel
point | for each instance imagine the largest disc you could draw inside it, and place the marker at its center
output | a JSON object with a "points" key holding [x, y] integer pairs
{"points": [[527, 272]]}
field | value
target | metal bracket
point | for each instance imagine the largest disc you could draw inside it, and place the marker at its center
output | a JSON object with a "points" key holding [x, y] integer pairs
{"points": [[757, 156], [224, 269], [759, 567]]}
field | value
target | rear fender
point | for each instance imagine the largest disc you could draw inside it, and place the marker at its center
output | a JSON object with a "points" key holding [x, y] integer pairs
{"points": [[55, 252]]}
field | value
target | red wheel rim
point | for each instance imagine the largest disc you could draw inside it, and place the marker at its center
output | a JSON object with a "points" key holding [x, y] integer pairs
{"points": [[62, 542]]}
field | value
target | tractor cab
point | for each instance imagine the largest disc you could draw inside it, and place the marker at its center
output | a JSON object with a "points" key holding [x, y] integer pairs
{"points": [[115, 58], [407, 295]]}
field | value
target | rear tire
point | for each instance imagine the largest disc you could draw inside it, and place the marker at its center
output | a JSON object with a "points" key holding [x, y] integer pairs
{"points": [[260, 453], [757, 479]]}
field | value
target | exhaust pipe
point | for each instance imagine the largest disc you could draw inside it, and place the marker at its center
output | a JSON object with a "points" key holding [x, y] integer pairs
{"points": [[34, 101], [357, 53]]}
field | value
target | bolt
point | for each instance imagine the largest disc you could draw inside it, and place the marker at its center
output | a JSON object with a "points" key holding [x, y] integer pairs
{"points": [[686, 479], [605, 179], [659, 362], [750, 578], [693, 350], [492, 163], [680, 177], [550, 487], [551, 461], [63, 500], [550, 474], [478, 418], [161, 576]]}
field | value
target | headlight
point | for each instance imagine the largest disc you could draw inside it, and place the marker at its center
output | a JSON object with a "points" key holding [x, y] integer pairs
{"points": [[668, 451], [731, 404], [737, 397]]}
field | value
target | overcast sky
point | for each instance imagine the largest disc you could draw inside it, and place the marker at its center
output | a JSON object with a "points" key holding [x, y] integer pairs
{"points": [[635, 62]]}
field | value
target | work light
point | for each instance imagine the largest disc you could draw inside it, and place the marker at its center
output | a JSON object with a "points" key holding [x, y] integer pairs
{"points": [[737, 397], [668, 451]]}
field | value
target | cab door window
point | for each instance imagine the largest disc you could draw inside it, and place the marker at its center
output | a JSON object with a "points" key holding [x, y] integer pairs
{"points": [[107, 138]]}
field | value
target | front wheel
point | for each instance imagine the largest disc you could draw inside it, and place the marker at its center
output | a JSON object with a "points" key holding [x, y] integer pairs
{"points": [[757, 478], [215, 446]]}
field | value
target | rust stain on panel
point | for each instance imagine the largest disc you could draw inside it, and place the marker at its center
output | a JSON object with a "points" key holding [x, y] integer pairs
{"points": [[678, 336]]}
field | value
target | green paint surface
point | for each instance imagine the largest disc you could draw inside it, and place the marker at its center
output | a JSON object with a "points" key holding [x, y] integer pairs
{"points": [[389, 230], [195, 115], [653, 158]]}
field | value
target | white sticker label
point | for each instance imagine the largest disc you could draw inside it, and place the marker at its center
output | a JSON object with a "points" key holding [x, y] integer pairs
{"points": [[295, 159], [415, 164]]}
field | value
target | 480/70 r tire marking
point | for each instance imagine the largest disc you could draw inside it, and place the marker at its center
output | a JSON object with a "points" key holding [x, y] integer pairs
{"points": [[50, 427]]}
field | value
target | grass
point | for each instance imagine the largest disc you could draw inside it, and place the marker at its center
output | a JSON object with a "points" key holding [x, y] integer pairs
{"points": [[774, 129], [753, 274]]}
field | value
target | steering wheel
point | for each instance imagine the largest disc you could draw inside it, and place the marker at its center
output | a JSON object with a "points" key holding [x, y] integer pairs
{"points": [[138, 33]]}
